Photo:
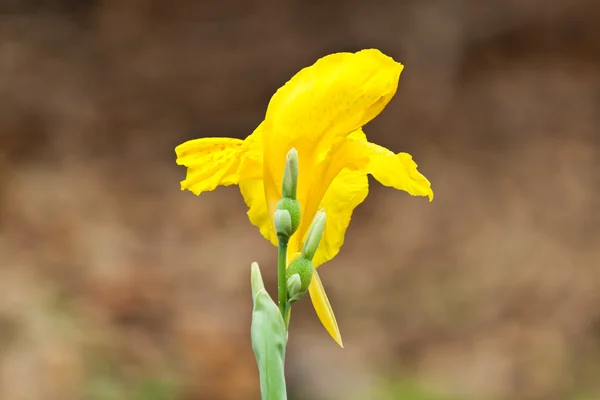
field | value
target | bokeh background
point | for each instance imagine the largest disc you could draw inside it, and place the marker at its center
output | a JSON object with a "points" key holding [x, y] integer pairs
{"points": [[114, 284]]}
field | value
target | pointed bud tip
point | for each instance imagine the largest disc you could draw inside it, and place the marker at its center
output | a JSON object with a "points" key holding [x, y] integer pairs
{"points": [[256, 281], [290, 175], [321, 215], [293, 153]]}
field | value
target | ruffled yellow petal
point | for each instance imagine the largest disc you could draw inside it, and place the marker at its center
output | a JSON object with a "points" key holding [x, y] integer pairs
{"points": [[210, 162], [323, 308], [320, 106], [395, 170]]}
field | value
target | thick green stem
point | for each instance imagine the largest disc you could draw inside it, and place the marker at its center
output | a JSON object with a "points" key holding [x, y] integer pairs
{"points": [[281, 278]]}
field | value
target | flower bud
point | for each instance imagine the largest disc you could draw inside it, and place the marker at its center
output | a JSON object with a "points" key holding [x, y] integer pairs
{"points": [[290, 175], [314, 236], [292, 207], [302, 268], [283, 223]]}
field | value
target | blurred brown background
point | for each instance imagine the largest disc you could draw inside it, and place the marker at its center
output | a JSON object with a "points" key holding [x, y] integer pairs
{"points": [[114, 284]]}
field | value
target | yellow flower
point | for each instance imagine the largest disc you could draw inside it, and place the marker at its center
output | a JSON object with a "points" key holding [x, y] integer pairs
{"points": [[320, 112]]}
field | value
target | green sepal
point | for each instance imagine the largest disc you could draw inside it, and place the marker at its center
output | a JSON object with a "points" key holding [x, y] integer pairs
{"points": [[269, 338]]}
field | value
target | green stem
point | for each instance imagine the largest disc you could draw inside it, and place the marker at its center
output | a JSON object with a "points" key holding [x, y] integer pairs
{"points": [[281, 278]]}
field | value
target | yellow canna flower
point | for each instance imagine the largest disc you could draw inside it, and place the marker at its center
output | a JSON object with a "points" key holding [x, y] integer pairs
{"points": [[320, 112]]}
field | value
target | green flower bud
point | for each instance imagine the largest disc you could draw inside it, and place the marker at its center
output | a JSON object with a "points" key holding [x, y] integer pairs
{"points": [[283, 223], [303, 268], [314, 236], [290, 175], [292, 206]]}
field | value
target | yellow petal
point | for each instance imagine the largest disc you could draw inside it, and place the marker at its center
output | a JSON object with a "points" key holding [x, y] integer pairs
{"points": [[254, 195], [343, 185], [349, 162], [336, 95], [210, 162], [320, 106], [323, 308], [252, 185], [346, 192], [342, 189]]}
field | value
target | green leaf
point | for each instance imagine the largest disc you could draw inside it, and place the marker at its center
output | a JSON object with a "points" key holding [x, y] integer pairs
{"points": [[269, 338]]}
